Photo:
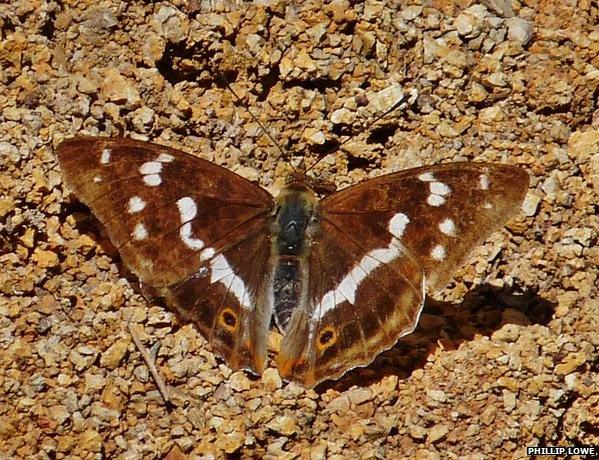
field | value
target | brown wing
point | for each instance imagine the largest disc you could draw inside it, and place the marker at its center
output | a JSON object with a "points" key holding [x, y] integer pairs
{"points": [[380, 242], [107, 173], [362, 299], [179, 222], [227, 300], [455, 206]]}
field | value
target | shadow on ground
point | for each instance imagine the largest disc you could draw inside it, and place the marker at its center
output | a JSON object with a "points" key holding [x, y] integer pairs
{"points": [[483, 311]]}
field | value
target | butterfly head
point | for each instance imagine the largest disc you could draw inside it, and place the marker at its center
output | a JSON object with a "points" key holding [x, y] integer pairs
{"points": [[299, 178]]}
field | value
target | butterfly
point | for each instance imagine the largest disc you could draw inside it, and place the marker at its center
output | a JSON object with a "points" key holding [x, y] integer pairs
{"points": [[342, 278]]}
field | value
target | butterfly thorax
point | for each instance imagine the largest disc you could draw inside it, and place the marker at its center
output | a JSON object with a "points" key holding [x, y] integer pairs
{"points": [[294, 226]]}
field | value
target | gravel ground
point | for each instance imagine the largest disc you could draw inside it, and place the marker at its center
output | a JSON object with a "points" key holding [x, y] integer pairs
{"points": [[504, 357]]}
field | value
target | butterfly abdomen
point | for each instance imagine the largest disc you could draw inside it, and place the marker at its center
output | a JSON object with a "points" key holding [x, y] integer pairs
{"points": [[287, 283], [294, 223]]}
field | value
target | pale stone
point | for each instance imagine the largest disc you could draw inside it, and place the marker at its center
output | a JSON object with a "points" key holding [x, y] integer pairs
{"points": [[491, 114], [409, 13], [342, 116], [509, 400], [383, 100], [112, 357], [6, 205], [519, 30], [90, 440], [437, 395], [271, 378], [119, 89], [571, 363], [45, 259], [530, 205], [284, 425], [437, 432]]}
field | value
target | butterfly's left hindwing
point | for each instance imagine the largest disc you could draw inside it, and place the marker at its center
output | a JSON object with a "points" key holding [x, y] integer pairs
{"points": [[379, 244], [225, 303], [182, 225]]}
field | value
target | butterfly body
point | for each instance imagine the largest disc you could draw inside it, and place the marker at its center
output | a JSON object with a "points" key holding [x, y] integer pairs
{"points": [[295, 224], [342, 278]]}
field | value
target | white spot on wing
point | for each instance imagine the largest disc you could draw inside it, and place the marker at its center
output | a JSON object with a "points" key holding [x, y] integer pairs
{"points": [[136, 204], [438, 252], [435, 200], [368, 264], [347, 288], [97, 179], [397, 224], [426, 177], [385, 255], [224, 274], [165, 158], [140, 232], [327, 303], [349, 285], [439, 188], [220, 269], [105, 156], [187, 211], [447, 227], [438, 191], [207, 254], [483, 182], [152, 180], [188, 240], [151, 167]]}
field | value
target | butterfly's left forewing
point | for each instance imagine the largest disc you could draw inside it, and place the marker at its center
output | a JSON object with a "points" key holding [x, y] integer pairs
{"points": [[380, 243], [185, 227]]}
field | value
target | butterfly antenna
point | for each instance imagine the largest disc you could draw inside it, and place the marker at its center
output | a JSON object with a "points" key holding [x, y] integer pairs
{"points": [[224, 80], [352, 136]]}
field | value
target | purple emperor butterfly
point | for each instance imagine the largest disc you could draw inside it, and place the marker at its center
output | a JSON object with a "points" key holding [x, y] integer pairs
{"points": [[342, 278]]}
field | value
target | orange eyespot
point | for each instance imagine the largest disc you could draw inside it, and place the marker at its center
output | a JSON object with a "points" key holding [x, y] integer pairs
{"points": [[228, 319], [327, 338]]}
